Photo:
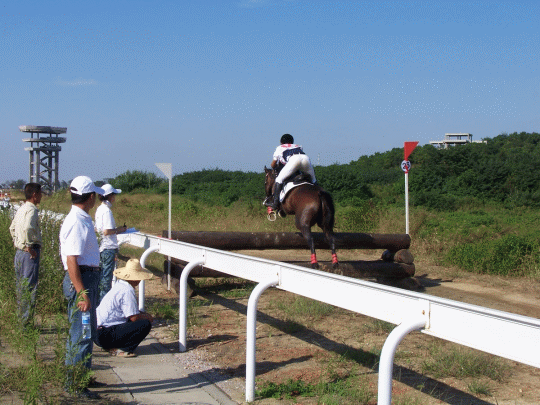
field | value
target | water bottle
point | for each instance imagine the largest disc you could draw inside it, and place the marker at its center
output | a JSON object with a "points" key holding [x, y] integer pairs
{"points": [[86, 329]]}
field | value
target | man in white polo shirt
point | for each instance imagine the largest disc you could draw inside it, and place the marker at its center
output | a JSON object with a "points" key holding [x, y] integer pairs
{"points": [[106, 227], [80, 256]]}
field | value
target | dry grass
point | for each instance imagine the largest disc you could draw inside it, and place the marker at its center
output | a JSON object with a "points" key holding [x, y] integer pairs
{"points": [[149, 213]]}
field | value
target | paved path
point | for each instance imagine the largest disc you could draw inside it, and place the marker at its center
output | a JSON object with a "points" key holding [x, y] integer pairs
{"points": [[155, 376]]}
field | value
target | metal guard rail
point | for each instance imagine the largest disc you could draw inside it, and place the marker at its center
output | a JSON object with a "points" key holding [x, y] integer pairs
{"points": [[504, 334]]}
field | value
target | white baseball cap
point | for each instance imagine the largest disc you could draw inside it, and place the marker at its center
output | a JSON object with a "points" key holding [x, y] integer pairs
{"points": [[110, 189], [83, 184]]}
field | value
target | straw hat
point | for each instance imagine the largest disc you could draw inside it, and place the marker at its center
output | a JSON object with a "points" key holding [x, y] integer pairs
{"points": [[133, 271]]}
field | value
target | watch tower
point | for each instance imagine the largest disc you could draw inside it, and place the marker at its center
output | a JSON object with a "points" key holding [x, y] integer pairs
{"points": [[44, 149]]}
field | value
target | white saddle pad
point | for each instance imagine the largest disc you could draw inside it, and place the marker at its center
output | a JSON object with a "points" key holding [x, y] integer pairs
{"points": [[288, 187]]}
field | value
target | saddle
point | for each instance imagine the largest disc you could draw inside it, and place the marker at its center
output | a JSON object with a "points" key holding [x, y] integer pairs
{"points": [[299, 177]]}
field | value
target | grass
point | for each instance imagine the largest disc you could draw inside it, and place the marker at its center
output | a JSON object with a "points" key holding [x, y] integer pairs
{"points": [[228, 287], [480, 388], [463, 363], [305, 309], [490, 240], [39, 371], [379, 327], [406, 400], [485, 238], [340, 391]]}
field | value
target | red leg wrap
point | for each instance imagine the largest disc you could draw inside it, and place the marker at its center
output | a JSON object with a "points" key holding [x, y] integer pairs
{"points": [[313, 258], [334, 258]]}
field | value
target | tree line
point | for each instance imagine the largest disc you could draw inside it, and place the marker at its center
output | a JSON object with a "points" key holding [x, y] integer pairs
{"points": [[500, 170]]}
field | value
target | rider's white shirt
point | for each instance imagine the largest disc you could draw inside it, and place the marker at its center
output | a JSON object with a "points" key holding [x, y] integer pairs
{"points": [[278, 154]]}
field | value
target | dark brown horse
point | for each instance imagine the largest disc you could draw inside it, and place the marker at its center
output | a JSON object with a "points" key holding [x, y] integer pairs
{"points": [[310, 205]]}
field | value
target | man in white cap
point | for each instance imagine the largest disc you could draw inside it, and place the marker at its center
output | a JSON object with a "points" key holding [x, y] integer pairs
{"points": [[121, 326], [106, 227], [80, 256]]}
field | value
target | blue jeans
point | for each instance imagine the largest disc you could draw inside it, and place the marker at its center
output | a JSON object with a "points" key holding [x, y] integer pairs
{"points": [[77, 348], [125, 336], [27, 274], [108, 263]]}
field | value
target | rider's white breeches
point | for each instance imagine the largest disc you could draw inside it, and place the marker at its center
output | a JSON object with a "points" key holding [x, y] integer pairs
{"points": [[295, 163]]}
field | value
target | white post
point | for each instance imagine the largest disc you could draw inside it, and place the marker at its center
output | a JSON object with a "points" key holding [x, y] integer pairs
{"points": [[142, 261], [182, 303], [407, 202], [386, 361], [166, 169], [252, 334], [170, 216]]}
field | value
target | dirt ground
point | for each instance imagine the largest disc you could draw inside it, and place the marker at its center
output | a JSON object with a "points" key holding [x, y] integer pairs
{"points": [[316, 349]]}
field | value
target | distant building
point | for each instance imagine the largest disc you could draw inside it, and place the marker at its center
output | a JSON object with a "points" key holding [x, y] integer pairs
{"points": [[454, 139]]}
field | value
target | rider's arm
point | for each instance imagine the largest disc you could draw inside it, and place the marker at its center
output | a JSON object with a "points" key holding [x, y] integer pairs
{"points": [[274, 163]]}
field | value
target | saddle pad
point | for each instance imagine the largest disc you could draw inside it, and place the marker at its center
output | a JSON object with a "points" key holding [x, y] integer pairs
{"points": [[288, 187]]}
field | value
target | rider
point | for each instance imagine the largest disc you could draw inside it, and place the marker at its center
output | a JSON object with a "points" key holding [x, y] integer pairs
{"points": [[290, 158]]}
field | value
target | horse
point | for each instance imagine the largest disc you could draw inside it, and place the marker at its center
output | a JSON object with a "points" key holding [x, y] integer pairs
{"points": [[310, 205]]}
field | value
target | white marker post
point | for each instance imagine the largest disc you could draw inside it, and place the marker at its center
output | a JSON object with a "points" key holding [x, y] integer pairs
{"points": [[408, 147], [166, 169]]}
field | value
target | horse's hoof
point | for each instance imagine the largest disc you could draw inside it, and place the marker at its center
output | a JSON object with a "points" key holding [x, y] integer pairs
{"points": [[315, 266], [335, 265]]}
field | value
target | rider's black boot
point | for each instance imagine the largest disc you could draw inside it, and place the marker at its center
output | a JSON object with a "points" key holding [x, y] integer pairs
{"points": [[277, 190]]}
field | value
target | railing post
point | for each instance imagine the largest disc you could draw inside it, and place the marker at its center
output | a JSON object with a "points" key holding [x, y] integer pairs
{"points": [[386, 361], [142, 261], [182, 303], [252, 334]]}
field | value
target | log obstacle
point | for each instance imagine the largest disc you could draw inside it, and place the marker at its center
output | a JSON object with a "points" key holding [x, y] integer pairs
{"points": [[361, 268], [386, 272], [290, 240], [396, 262]]}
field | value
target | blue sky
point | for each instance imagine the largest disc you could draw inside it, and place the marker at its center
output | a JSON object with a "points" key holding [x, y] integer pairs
{"points": [[214, 84]]}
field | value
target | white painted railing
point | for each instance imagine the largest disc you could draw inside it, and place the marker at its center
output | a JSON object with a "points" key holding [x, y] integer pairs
{"points": [[500, 333]]}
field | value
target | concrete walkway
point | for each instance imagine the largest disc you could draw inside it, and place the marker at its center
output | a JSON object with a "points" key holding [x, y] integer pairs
{"points": [[155, 376]]}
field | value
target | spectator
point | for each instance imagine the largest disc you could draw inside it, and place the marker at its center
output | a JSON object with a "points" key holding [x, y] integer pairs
{"points": [[26, 234], [106, 227], [121, 326], [80, 256]]}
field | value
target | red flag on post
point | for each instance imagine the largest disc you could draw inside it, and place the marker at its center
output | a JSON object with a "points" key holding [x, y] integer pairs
{"points": [[408, 147]]}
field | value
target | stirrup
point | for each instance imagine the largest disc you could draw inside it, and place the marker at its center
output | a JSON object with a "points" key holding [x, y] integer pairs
{"points": [[271, 214]]}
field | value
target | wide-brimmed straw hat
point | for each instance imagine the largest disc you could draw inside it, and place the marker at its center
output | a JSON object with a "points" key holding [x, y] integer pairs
{"points": [[133, 271]]}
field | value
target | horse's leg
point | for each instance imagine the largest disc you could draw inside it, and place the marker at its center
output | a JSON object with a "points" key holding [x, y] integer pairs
{"points": [[306, 233], [332, 242], [326, 223]]}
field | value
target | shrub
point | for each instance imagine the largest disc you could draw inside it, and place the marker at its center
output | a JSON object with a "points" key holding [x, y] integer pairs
{"points": [[503, 256]]}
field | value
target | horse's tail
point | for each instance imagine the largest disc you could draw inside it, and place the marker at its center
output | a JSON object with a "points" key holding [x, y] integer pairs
{"points": [[327, 205]]}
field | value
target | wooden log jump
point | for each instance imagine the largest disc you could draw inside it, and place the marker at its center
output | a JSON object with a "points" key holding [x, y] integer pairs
{"points": [[290, 240], [358, 269], [386, 272]]}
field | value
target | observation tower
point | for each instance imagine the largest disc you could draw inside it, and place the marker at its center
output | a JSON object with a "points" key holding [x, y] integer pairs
{"points": [[44, 149]]}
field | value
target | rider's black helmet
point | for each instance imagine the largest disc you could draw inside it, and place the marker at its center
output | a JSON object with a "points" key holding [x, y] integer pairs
{"points": [[287, 138]]}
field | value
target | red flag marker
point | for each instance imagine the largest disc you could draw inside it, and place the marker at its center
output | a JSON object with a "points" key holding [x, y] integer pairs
{"points": [[408, 147]]}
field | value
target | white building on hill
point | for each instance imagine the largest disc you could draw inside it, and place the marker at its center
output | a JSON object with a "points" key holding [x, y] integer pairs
{"points": [[454, 139]]}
